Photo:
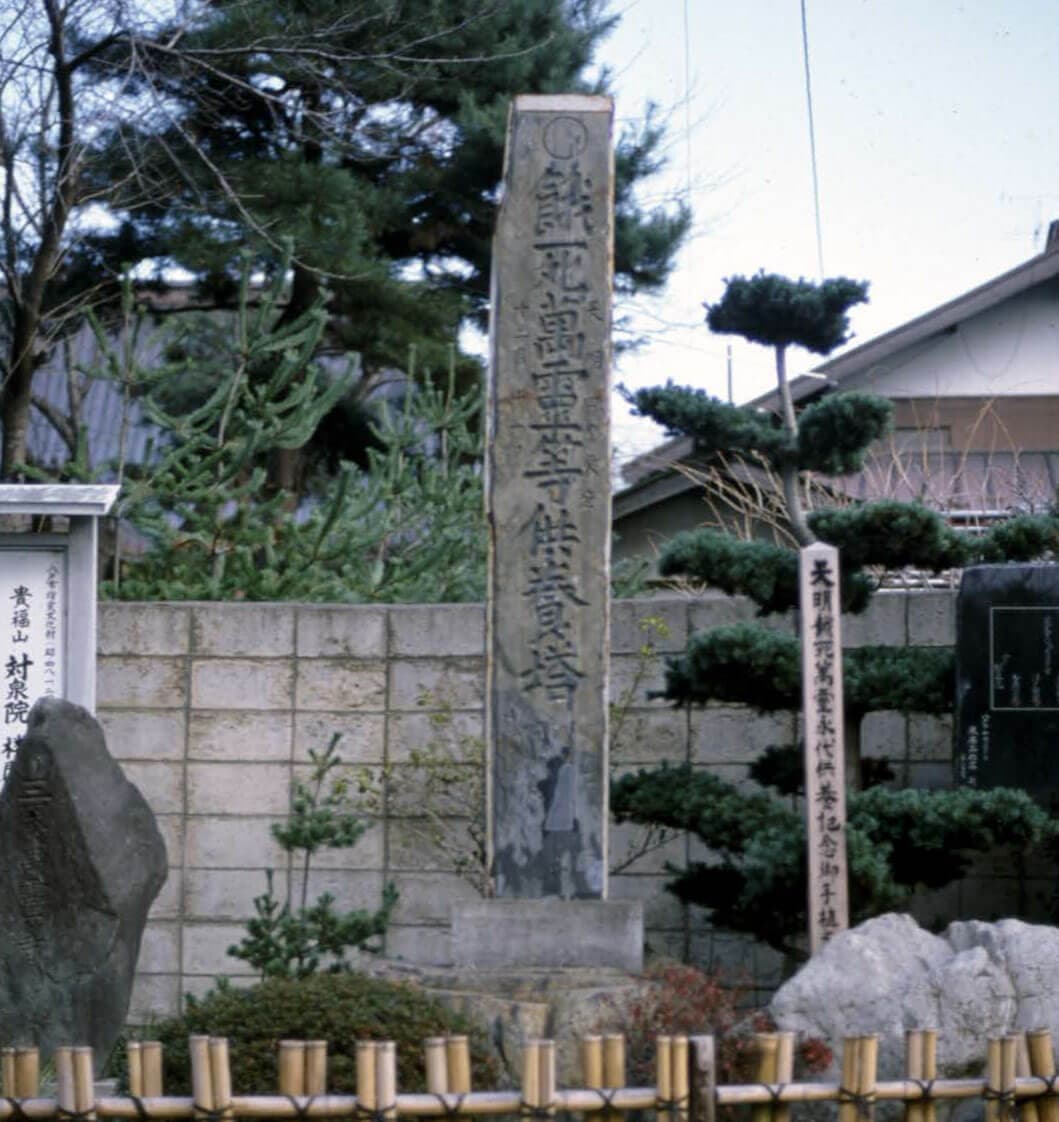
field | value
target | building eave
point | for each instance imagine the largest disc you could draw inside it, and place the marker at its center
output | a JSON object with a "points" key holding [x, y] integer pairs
{"points": [[1028, 275]]}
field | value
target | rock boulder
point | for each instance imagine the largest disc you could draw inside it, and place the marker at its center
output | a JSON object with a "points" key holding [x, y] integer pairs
{"points": [[81, 861], [888, 975]]}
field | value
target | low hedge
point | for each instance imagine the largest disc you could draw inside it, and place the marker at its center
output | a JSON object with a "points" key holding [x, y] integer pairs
{"points": [[338, 1008]]}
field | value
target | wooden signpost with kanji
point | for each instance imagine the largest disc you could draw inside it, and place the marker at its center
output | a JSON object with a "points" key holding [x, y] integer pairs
{"points": [[825, 771]]}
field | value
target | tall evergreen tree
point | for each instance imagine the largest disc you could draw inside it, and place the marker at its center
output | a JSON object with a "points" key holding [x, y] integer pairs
{"points": [[369, 136]]}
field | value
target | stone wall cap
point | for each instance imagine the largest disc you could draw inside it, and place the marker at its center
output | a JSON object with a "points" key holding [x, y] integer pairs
{"points": [[564, 103]]}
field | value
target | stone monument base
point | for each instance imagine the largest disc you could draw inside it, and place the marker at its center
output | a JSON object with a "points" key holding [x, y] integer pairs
{"points": [[548, 933], [515, 1006]]}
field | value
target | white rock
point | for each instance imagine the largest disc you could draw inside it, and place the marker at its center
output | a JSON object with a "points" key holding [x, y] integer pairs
{"points": [[888, 975]]}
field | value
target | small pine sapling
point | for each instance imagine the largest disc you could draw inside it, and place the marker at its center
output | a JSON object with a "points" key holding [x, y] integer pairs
{"points": [[288, 940]]}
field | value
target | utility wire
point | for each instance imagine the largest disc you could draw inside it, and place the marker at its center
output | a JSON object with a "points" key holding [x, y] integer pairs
{"points": [[687, 100], [812, 142]]}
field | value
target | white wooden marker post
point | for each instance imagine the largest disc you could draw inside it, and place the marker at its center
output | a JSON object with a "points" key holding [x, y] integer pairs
{"points": [[825, 769]]}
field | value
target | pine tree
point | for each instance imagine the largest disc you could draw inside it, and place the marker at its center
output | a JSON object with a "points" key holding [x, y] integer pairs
{"points": [[897, 839], [369, 136], [405, 527]]}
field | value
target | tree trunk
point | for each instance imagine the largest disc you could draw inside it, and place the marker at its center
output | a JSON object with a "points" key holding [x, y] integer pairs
{"points": [[18, 384], [17, 392], [789, 469]]}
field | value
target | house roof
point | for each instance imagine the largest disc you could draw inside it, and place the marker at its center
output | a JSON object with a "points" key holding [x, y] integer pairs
{"points": [[830, 374], [988, 477]]}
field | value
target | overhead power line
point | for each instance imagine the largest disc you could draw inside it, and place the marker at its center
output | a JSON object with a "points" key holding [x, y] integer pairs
{"points": [[812, 143]]}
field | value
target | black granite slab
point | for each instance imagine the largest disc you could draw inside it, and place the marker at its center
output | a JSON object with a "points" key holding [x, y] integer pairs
{"points": [[1007, 679]]}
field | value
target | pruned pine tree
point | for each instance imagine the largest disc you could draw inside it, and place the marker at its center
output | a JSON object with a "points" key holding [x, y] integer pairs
{"points": [[897, 839]]}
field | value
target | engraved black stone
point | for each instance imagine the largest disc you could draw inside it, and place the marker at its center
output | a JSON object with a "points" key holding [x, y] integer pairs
{"points": [[1007, 679], [81, 860]]}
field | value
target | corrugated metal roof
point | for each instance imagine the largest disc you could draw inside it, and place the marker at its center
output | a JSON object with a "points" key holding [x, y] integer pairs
{"points": [[104, 408]]}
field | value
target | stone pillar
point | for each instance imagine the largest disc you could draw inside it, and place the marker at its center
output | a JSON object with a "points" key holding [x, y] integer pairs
{"points": [[548, 500]]}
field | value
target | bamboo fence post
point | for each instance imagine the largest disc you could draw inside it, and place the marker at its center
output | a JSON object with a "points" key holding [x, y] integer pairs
{"points": [[678, 1067], [134, 1062], [531, 1082], [930, 1072], [458, 1053], [614, 1059], [1008, 1074], [316, 1067], [867, 1069], [613, 1070], [386, 1078], [546, 1091], [1042, 1064], [27, 1073], [436, 1065], [992, 1081], [367, 1101], [151, 1055], [201, 1075], [7, 1073], [592, 1063], [65, 1086], [702, 1079], [915, 1111], [1028, 1111], [847, 1108], [84, 1084], [767, 1047], [663, 1077], [291, 1067], [784, 1071], [221, 1077]]}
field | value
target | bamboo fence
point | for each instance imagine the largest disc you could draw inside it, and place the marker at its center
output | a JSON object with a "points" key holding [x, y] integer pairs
{"points": [[1020, 1083]]}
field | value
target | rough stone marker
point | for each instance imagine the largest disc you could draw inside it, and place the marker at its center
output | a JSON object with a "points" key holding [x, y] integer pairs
{"points": [[548, 505], [82, 861]]}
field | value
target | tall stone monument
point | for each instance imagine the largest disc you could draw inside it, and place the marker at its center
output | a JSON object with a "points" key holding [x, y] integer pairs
{"points": [[548, 505], [549, 500]]}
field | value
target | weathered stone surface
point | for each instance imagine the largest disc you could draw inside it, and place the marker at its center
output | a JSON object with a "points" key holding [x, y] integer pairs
{"points": [[976, 981], [517, 1005], [547, 487], [82, 859], [492, 934], [1007, 678]]}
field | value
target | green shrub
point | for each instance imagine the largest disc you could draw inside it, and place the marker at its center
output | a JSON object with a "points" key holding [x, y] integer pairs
{"points": [[338, 1008]]}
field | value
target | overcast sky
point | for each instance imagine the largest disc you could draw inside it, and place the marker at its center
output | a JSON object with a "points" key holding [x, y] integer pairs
{"points": [[937, 137]]}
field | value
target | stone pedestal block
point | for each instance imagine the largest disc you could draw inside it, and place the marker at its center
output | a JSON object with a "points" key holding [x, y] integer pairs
{"points": [[506, 934]]}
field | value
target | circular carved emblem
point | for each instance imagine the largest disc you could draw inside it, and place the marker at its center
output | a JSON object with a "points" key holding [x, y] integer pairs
{"points": [[565, 137]]}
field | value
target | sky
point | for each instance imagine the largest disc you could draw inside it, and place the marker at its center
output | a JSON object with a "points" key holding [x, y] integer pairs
{"points": [[937, 141]]}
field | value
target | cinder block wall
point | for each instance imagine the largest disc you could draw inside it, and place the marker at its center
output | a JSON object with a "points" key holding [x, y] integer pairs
{"points": [[213, 709]]}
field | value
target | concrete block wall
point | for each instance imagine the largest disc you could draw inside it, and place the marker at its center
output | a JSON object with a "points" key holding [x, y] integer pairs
{"points": [[213, 708]]}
